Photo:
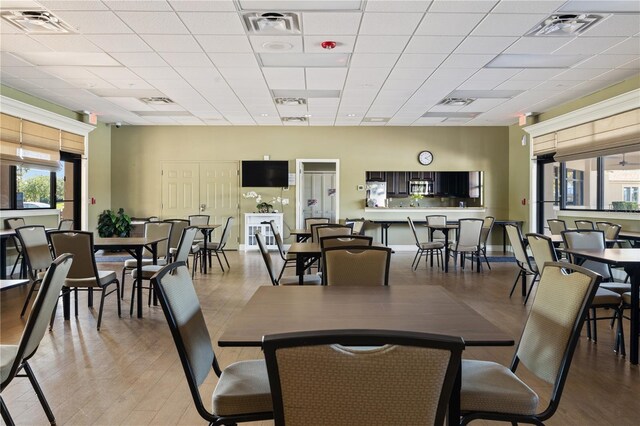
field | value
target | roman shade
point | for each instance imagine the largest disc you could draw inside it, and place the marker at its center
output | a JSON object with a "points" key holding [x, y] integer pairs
{"points": [[544, 144], [610, 135], [70, 142]]}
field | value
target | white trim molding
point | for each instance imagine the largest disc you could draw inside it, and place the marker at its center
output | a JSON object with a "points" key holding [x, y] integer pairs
{"points": [[616, 105]]}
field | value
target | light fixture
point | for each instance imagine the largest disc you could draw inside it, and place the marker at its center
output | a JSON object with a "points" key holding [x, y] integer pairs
{"points": [[294, 119], [290, 101], [564, 25], [272, 23], [277, 45], [351, 115], [264, 115], [456, 101], [157, 100]]}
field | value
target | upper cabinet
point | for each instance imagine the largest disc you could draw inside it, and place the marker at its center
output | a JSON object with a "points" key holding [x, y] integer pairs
{"points": [[444, 184], [376, 176]]}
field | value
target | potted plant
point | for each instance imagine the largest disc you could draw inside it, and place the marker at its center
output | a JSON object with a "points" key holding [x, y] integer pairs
{"points": [[111, 224]]}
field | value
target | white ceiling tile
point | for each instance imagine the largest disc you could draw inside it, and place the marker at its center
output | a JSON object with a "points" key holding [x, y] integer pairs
{"points": [[203, 6], [7, 28], [9, 60], [331, 24], [528, 6], [154, 22], [615, 25], [381, 44], [233, 60], [285, 78], [95, 22], [389, 23], [452, 74], [241, 73], [156, 73], [21, 43], [578, 74], [138, 5], [325, 78], [139, 59], [481, 105], [518, 85], [132, 104], [606, 61], [630, 46], [113, 73], [67, 72], [120, 43], [228, 23], [276, 44], [420, 60], [68, 58], [635, 64], [367, 78], [192, 59], [462, 6], [539, 74], [344, 44], [90, 83], [67, 43], [617, 74], [397, 5], [514, 25], [472, 84], [497, 74], [484, 45], [130, 84], [224, 44], [588, 46], [440, 24], [172, 43], [541, 45], [373, 60], [409, 85], [433, 44], [71, 4], [466, 61], [557, 86]]}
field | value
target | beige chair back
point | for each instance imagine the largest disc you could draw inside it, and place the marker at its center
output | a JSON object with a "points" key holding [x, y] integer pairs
{"points": [[356, 266], [584, 224], [278, 238], [413, 230], [324, 378], [555, 319], [158, 230], [437, 219], [611, 230], [487, 226], [198, 219], [80, 244], [469, 232], [35, 248], [332, 231], [357, 225], [542, 249], [65, 225], [225, 233], [556, 226], [314, 229], [186, 241], [345, 240], [262, 246], [314, 221], [587, 239], [517, 245], [179, 225], [14, 222]]}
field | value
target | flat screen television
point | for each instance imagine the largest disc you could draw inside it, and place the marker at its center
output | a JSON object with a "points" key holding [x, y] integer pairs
{"points": [[265, 173]]}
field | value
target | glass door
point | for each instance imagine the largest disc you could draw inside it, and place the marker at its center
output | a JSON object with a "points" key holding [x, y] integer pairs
{"points": [[549, 193], [68, 188]]}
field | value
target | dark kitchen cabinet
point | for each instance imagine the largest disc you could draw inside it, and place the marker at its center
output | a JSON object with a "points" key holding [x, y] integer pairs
{"points": [[376, 176], [451, 184], [397, 184]]}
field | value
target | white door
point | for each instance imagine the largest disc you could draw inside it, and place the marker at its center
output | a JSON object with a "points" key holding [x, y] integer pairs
{"points": [[219, 191], [317, 189], [180, 189]]}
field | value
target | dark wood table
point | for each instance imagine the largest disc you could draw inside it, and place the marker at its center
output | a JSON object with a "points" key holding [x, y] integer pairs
{"points": [[427, 309], [445, 230], [7, 284], [629, 259], [206, 231], [632, 236], [302, 235], [132, 245]]}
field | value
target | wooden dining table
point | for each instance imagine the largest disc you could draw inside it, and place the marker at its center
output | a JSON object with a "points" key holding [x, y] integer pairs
{"points": [[419, 308], [301, 235], [629, 259]]}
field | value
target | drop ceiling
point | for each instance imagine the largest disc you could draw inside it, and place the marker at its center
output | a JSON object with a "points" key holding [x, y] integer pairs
{"points": [[393, 64]]}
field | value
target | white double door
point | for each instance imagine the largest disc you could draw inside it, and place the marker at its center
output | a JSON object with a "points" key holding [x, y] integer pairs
{"points": [[210, 188]]}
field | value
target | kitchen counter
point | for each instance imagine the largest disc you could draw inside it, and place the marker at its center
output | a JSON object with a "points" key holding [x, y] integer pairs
{"points": [[423, 209]]}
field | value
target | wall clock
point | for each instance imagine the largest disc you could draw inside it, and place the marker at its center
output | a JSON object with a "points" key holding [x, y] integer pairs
{"points": [[425, 158]]}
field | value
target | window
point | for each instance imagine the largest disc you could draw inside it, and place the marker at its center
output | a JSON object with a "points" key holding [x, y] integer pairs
{"points": [[33, 188], [580, 183], [621, 181]]}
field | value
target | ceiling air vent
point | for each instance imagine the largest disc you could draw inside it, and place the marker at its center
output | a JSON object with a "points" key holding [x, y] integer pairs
{"points": [[279, 23], [157, 100], [294, 119], [564, 25], [456, 101], [291, 101], [36, 21]]}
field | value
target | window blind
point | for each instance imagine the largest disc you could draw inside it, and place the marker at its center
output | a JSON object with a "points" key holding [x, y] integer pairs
{"points": [[70, 142], [28, 143]]}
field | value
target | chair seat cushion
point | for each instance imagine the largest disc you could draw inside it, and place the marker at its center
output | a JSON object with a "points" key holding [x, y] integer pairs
{"points": [[306, 279], [626, 297], [7, 357], [147, 271], [606, 297], [210, 246], [463, 248], [105, 277], [133, 264], [491, 387], [431, 245], [619, 288], [195, 249], [290, 256], [243, 388]]}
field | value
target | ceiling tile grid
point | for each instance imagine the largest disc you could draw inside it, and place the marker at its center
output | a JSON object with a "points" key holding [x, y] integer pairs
{"points": [[383, 63]]}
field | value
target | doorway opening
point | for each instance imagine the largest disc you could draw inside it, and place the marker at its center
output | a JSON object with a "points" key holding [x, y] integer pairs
{"points": [[317, 189]]}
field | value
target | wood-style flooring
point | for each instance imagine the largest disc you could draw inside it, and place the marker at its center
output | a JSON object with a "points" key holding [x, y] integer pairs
{"points": [[129, 372]]}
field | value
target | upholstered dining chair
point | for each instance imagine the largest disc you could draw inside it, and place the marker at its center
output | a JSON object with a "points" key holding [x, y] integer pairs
{"points": [[468, 241], [151, 230], [177, 226], [323, 231], [361, 377], [15, 358], [288, 259], [425, 248], [65, 225], [217, 248], [15, 223], [84, 274], [314, 220], [356, 266], [37, 256], [436, 219], [525, 266], [181, 255], [556, 226], [492, 391], [487, 226], [242, 392], [584, 224], [311, 279], [199, 219], [345, 240], [357, 225], [313, 228]]}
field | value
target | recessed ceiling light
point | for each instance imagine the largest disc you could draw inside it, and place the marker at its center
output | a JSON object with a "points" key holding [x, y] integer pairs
{"points": [[307, 115], [351, 115], [534, 61], [277, 45], [456, 101], [290, 101], [264, 115], [294, 119], [157, 100], [564, 25]]}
